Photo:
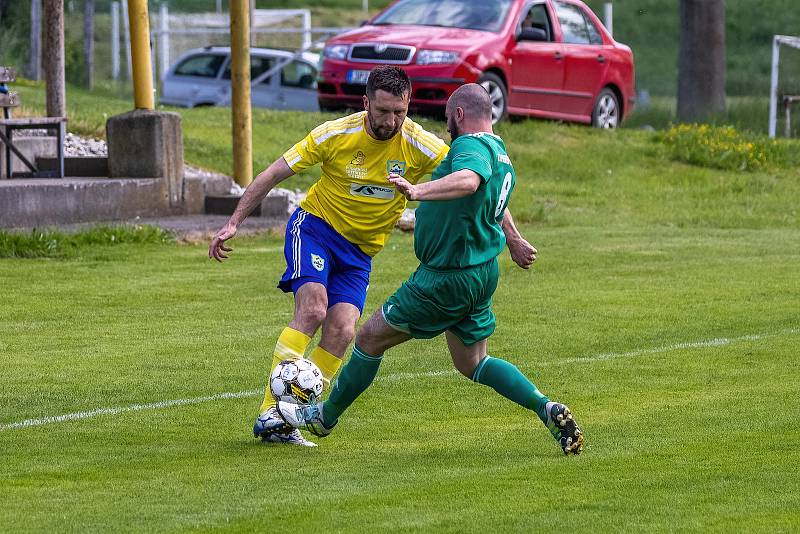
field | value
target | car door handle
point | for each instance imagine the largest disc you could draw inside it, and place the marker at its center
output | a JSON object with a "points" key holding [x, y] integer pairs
{"points": [[601, 59], [558, 56]]}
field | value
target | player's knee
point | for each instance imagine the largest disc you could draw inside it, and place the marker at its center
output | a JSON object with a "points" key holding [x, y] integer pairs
{"points": [[342, 332], [347, 332], [367, 339], [312, 316]]}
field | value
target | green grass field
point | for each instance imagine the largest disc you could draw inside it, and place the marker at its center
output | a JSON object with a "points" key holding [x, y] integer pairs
{"points": [[663, 309]]}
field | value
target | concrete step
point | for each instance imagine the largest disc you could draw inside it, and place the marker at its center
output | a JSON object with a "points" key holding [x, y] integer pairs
{"points": [[88, 167], [277, 203]]}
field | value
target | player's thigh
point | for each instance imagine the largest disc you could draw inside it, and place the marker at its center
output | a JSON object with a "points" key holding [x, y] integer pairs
{"points": [[425, 305], [349, 286], [479, 323], [305, 251]]}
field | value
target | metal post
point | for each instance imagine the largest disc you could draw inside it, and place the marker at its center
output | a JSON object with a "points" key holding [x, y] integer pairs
{"points": [[163, 41], [140, 49], [127, 31], [307, 28], [115, 40], [608, 16], [219, 6], [241, 120], [365, 5], [773, 91]]}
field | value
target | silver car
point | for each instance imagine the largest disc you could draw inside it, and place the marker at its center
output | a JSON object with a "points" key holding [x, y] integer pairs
{"points": [[280, 79]]}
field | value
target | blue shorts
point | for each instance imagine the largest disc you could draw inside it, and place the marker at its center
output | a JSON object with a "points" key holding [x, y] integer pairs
{"points": [[315, 252]]}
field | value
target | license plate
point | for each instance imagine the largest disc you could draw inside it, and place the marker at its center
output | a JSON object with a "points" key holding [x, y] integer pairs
{"points": [[357, 76]]}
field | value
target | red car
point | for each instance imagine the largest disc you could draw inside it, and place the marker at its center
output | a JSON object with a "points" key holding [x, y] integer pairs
{"points": [[537, 58]]}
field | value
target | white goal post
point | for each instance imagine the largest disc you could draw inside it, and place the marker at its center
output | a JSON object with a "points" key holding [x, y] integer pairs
{"points": [[777, 41]]}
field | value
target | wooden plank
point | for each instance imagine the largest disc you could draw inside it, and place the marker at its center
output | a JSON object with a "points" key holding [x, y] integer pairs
{"points": [[44, 121], [7, 74], [9, 100]]}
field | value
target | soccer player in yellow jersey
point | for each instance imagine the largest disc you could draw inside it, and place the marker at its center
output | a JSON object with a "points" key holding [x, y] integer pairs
{"points": [[342, 223]]}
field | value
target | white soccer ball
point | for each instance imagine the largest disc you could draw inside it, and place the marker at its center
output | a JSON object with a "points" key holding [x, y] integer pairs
{"points": [[297, 381]]}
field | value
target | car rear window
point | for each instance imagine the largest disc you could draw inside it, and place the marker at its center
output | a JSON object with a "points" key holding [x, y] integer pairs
{"points": [[299, 74], [576, 26], [486, 15], [205, 65], [258, 66]]}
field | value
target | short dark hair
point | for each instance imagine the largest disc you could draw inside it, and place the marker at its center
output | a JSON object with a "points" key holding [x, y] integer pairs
{"points": [[388, 78], [473, 99]]}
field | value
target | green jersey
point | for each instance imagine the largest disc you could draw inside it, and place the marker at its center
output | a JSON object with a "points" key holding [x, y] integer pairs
{"points": [[465, 232]]}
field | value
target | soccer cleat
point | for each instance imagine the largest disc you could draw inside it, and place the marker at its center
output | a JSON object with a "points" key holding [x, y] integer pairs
{"points": [[292, 438], [269, 423], [304, 415], [270, 427], [563, 427]]}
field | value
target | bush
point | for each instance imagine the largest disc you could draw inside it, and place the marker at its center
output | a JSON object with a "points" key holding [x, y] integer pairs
{"points": [[723, 147]]}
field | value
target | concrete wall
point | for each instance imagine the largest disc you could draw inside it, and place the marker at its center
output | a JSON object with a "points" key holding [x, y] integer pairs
{"points": [[50, 201]]}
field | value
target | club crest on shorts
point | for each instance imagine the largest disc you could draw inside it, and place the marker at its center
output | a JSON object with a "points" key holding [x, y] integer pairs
{"points": [[317, 262]]}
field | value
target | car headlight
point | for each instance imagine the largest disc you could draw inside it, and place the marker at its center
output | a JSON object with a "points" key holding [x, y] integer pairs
{"points": [[335, 51], [433, 57]]}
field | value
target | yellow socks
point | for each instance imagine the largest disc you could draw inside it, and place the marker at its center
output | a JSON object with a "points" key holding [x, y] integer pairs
{"points": [[327, 363], [291, 344]]}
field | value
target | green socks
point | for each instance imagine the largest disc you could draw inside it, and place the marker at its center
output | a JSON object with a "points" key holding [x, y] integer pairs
{"points": [[356, 376], [508, 381]]}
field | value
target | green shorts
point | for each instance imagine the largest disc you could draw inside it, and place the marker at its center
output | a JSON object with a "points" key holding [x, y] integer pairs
{"points": [[431, 302]]}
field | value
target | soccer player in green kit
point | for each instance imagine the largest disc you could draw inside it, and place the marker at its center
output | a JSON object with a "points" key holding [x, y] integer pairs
{"points": [[459, 234]]}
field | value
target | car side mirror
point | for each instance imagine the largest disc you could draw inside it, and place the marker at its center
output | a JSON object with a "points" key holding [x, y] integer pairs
{"points": [[532, 34], [363, 23]]}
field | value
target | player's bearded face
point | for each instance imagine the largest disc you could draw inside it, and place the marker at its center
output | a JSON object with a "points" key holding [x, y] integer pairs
{"points": [[452, 125], [386, 113]]}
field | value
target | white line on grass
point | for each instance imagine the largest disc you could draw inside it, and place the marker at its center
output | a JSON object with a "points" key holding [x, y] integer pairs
{"points": [[716, 342], [123, 409]]}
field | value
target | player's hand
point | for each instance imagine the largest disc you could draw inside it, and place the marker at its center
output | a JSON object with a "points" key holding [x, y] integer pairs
{"points": [[522, 252], [404, 186], [217, 249]]}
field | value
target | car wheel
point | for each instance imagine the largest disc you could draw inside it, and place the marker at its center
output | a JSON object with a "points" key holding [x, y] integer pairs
{"points": [[497, 93], [606, 112]]}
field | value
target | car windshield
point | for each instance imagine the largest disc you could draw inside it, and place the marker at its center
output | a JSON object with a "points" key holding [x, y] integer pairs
{"points": [[486, 15]]}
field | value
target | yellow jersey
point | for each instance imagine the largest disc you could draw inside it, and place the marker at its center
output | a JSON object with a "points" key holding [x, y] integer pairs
{"points": [[353, 193]]}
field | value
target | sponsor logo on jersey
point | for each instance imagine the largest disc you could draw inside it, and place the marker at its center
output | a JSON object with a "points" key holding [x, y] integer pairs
{"points": [[358, 158], [317, 262], [356, 172], [372, 191], [502, 158], [396, 167]]}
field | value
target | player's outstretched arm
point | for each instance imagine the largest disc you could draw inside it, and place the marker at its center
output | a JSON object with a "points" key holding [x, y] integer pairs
{"points": [[252, 197], [522, 252], [455, 185]]}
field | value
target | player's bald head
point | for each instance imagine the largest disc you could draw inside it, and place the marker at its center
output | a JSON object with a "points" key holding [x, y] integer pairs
{"points": [[474, 100]]}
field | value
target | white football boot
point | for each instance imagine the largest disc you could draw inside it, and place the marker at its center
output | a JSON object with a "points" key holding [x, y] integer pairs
{"points": [[270, 427]]}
